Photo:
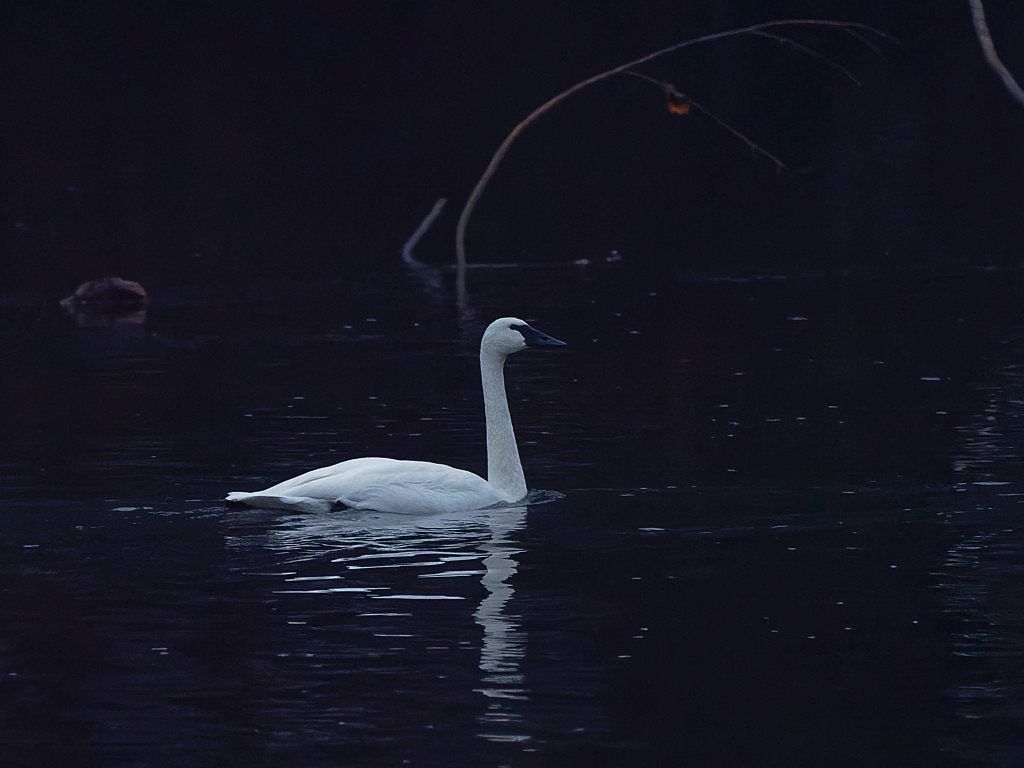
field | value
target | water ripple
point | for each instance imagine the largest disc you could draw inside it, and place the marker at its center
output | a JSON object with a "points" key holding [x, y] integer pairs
{"points": [[356, 557]]}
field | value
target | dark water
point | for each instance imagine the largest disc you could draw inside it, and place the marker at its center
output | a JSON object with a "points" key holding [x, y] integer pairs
{"points": [[780, 526]]}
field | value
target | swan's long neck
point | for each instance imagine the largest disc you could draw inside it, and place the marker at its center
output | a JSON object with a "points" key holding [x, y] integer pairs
{"points": [[504, 470]]}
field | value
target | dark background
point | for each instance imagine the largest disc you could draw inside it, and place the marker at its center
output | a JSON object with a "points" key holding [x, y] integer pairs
{"points": [[785, 436], [208, 142]]}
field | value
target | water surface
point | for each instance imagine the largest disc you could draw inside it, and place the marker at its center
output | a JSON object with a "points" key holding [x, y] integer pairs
{"points": [[778, 525]]}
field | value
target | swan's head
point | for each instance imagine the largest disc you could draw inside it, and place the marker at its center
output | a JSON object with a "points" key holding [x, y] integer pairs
{"points": [[510, 334]]}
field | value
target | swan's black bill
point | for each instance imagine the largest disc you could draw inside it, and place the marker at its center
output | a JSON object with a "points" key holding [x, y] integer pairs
{"points": [[535, 338]]}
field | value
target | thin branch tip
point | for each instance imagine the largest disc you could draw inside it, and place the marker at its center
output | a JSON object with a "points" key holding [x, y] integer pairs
{"points": [[808, 51]]}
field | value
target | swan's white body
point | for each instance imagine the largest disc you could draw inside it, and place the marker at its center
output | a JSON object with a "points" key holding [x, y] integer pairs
{"points": [[390, 485]]}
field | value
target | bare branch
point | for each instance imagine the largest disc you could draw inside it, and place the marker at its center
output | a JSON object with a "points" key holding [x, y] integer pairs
{"points": [[673, 92], [754, 147], [809, 52], [421, 230], [492, 166], [862, 39], [987, 47], [667, 87]]}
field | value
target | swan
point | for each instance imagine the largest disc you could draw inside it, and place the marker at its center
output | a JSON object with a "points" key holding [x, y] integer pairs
{"points": [[391, 485]]}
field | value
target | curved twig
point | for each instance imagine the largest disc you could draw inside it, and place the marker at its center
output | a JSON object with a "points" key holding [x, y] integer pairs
{"points": [[429, 276], [863, 40], [989, 49], [421, 230], [492, 166], [808, 52]]}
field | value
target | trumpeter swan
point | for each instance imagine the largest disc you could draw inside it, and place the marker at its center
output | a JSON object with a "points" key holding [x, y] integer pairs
{"points": [[390, 485]]}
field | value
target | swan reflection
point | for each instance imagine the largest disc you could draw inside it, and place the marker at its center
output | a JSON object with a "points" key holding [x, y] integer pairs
{"points": [[407, 561], [503, 644]]}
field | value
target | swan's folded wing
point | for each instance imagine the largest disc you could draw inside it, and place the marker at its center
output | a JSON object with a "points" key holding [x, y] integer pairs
{"points": [[334, 473], [421, 487]]}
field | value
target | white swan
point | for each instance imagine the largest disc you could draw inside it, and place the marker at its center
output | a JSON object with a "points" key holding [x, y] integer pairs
{"points": [[389, 485]]}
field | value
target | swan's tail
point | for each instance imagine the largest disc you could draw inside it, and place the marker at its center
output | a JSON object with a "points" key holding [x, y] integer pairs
{"points": [[290, 503]]}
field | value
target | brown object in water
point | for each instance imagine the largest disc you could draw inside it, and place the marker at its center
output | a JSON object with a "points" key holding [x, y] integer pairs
{"points": [[113, 295]]}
